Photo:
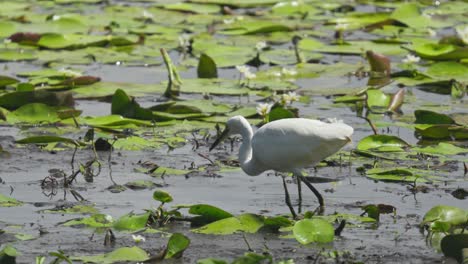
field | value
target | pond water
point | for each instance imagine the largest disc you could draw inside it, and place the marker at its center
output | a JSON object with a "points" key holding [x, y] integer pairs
{"points": [[213, 177]]}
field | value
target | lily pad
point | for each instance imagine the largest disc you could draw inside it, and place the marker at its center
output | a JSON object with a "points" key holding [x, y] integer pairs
{"points": [[207, 213], [6, 201], [162, 196], [401, 174], [124, 254], [308, 231], [96, 220], [176, 245], [442, 149], [246, 223], [445, 214], [132, 221], [382, 143]]}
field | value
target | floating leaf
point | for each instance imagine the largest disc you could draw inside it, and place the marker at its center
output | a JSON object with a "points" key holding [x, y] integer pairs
{"points": [[132, 221], [96, 220], [15, 100], [443, 149], [176, 245], [441, 131], [206, 67], [8, 254], [16, 55], [439, 51], [124, 105], [124, 254], [453, 245], [49, 139], [162, 196], [76, 209], [430, 117], [6, 80], [448, 70], [377, 101], [382, 143], [246, 222], [409, 14], [280, 113], [401, 174], [308, 231], [254, 27], [207, 213], [450, 215], [141, 185], [6, 201]]}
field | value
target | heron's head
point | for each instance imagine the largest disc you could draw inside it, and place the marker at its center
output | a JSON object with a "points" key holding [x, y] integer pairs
{"points": [[233, 126]]}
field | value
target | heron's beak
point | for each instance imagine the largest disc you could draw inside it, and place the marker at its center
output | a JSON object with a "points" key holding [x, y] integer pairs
{"points": [[349, 140], [223, 135]]}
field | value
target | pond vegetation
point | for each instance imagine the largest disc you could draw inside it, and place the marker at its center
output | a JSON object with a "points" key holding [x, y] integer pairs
{"points": [[108, 109]]}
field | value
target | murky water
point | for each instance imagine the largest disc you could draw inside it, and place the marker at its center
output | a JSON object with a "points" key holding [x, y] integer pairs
{"points": [[395, 239]]}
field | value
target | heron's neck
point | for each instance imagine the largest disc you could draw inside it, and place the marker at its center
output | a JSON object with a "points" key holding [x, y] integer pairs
{"points": [[248, 163]]}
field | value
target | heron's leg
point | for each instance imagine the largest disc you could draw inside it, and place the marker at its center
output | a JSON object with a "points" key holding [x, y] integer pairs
{"points": [[288, 199], [312, 188], [299, 191]]}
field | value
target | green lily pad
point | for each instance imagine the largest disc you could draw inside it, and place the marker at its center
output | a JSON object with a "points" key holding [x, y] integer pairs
{"points": [[430, 117], [6, 80], [132, 221], [207, 213], [6, 201], [410, 15], [76, 209], [15, 100], [95, 220], [135, 143], [224, 55], [176, 245], [401, 175], [382, 143], [450, 215], [124, 254], [162, 196], [7, 28], [140, 185], [206, 67], [49, 139], [76, 41], [249, 223], [16, 55], [377, 101], [308, 231], [254, 27], [455, 246], [437, 51], [192, 7], [8, 254], [441, 131], [442, 149], [448, 70], [238, 3]]}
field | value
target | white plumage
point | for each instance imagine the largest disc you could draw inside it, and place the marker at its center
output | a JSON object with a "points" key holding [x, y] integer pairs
{"points": [[286, 145]]}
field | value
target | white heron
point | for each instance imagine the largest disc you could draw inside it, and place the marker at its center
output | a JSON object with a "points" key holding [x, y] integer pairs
{"points": [[286, 145]]}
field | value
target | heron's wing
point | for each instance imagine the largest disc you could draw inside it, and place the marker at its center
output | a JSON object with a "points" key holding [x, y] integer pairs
{"points": [[295, 143]]}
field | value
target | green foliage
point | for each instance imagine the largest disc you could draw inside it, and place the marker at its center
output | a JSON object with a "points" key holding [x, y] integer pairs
{"points": [[6, 201], [176, 245], [444, 216], [123, 254], [308, 231], [206, 67], [162, 196]]}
